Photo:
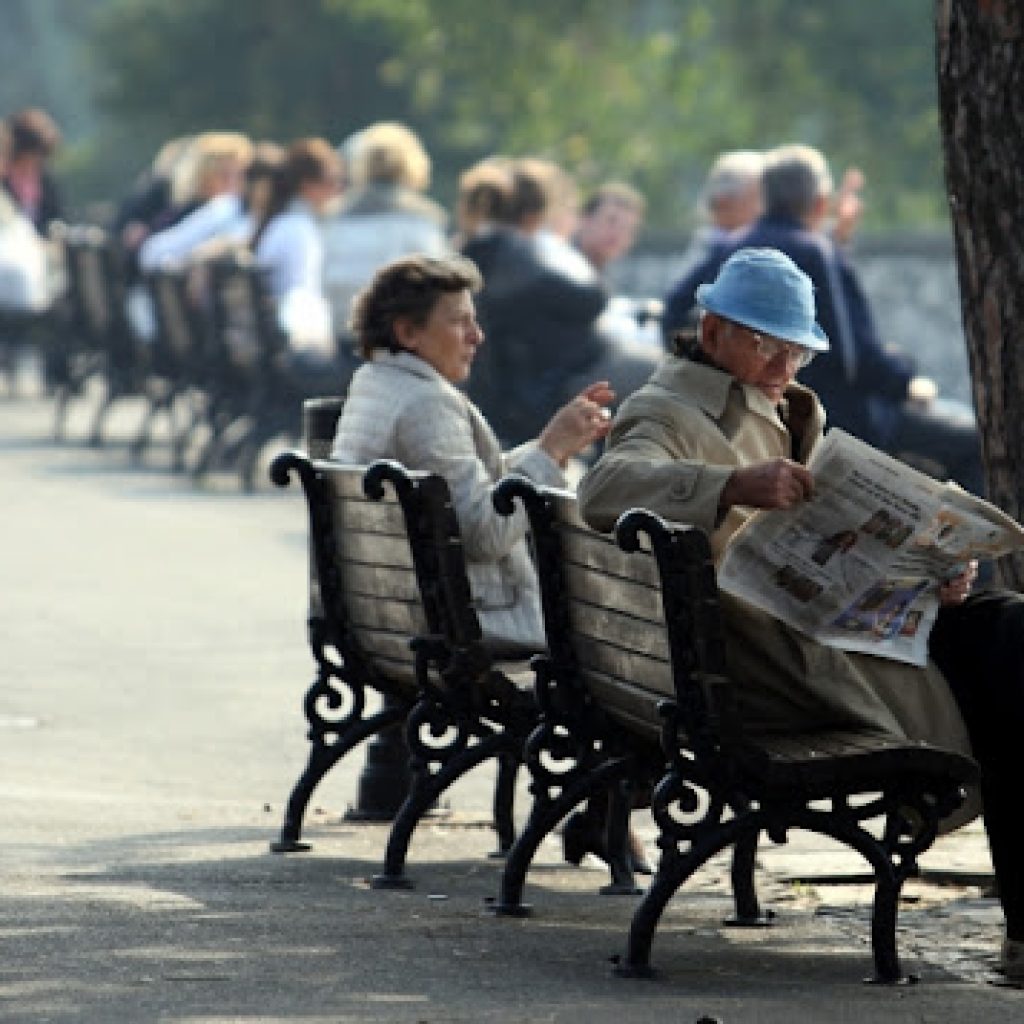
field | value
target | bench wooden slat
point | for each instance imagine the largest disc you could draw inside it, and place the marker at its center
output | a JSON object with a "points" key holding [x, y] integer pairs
{"points": [[635, 669], [634, 706], [394, 616], [603, 624], [631, 598], [370, 517], [584, 547], [345, 481], [388, 583], [392, 646], [374, 549]]}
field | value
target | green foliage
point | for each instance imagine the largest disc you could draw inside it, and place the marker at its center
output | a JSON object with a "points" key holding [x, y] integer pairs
{"points": [[648, 90], [653, 90]]}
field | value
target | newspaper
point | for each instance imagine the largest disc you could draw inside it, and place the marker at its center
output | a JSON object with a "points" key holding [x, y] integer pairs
{"points": [[858, 566]]}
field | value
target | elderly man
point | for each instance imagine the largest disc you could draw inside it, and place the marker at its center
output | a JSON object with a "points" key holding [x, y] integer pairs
{"points": [[723, 429]]}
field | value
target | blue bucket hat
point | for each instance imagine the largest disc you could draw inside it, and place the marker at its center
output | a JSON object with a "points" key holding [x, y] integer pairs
{"points": [[765, 290]]}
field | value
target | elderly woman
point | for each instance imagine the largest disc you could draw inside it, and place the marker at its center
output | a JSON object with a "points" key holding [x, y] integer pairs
{"points": [[417, 329]]}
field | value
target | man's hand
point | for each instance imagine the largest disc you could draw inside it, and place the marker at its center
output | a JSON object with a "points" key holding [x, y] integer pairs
{"points": [[780, 483], [922, 389]]}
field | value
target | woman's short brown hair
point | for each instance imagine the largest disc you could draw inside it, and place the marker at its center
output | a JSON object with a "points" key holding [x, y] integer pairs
{"points": [[407, 288]]}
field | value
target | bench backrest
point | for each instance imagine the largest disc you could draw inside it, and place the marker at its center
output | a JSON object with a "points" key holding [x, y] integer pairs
{"points": [[387, 564], [243, 322], [610, 623], [97, 289], [179, 325]]}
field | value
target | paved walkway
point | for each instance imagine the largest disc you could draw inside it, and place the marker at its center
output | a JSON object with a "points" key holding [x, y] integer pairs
{"points": [[152, 669]]}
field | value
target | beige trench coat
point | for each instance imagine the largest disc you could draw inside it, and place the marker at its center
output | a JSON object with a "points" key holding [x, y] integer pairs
{"points": [[673, 446]]}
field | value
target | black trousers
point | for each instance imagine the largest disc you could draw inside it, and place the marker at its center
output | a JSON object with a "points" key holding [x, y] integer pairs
{"points": [[979, 647]]}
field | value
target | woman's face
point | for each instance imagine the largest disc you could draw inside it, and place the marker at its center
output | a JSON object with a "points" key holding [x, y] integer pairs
{"points": [[449, 338]]}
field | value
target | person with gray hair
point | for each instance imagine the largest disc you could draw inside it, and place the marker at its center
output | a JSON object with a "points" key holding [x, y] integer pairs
{"points": [[869, 390], [732, 192], [730, 200]]}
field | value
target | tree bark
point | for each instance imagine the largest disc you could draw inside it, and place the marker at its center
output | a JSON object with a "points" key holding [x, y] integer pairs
{"points": [[980, 63]]}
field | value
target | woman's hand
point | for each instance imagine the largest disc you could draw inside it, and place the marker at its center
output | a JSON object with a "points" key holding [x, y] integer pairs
{"points": [[583, 421], [957, 589]]}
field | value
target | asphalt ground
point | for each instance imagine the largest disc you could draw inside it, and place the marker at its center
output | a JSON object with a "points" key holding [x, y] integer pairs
{"points": [[152, 668]]}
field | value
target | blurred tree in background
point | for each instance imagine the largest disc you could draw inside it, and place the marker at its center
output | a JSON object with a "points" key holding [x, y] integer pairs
{"points": [[648, 90]]}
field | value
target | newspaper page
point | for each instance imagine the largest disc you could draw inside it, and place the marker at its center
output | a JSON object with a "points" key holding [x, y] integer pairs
{"points": [[858, 566]]}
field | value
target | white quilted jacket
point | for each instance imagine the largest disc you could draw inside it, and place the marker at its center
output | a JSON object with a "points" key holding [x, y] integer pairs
{"points": [[399, 407]]}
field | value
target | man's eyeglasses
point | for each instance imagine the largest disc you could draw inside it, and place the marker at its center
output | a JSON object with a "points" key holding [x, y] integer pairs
{"points": [[769, 348]]}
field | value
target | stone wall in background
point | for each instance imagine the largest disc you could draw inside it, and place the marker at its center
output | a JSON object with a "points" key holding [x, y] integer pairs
{"points": [[911, 283]]}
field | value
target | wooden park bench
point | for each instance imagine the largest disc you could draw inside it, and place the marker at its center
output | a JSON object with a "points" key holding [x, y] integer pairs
{"points": [[636, 651], [392, 615], [179, 373], [97, 317]]}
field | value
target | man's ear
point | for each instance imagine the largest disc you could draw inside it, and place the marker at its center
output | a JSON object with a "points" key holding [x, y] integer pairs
{"points": [[711, 327], [819, 212]]}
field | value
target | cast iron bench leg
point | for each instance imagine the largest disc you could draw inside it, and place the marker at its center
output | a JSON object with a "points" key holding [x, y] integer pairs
{"points": [[544, 817], [748, 910], [322, 758], [674, 869], [426, 790], [504, 803]]}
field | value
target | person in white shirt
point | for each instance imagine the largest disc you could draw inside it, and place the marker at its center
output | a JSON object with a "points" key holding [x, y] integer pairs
{"points": [[288, 245], [220, 173]]}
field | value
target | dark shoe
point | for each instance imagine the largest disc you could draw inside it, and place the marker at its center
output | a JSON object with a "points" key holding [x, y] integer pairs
{"points": [[638, 856], [579, 839], [1012, 961]]}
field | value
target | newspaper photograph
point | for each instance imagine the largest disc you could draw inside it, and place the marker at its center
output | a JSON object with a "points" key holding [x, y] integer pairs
{"points": [[858, 566]]}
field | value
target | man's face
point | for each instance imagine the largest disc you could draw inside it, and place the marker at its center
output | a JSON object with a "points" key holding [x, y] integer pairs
{"points": [[757, 359], [608, 233], [739, 210]]}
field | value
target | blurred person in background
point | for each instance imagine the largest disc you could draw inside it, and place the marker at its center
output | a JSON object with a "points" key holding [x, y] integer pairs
{"points": [[287, 244], [608, 225], [609, 222], [34, 139], [219, 160], [732, 193], [730, 201], [258, 192], [540, 306], [482, 207], [146, 206], [383, 215], [23, 269]]}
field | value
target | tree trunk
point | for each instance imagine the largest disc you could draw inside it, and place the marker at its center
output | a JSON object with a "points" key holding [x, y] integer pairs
{"points": [[980, 51]]}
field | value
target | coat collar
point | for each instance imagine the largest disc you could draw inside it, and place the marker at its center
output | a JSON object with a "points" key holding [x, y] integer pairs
{"points": [[709, 388], [408, 362]]}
